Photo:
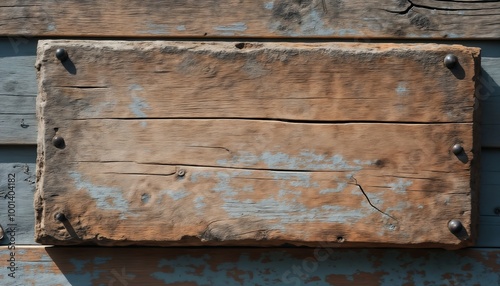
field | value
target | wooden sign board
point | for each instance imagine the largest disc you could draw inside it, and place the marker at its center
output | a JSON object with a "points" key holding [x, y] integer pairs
{"points": [[223, 143]]}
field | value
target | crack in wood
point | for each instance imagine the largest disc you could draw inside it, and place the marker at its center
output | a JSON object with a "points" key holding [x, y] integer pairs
{"points": [[368, 199]]}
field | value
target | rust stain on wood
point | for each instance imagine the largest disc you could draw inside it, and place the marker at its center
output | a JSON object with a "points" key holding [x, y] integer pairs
{"points": [[226, 144]]}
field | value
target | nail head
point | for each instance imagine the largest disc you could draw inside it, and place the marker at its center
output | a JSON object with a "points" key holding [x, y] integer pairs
{"points": [[457, 149], [61, 54], [450, 61], [455, 226], [58, 142], [181, 173], [60, 217]]}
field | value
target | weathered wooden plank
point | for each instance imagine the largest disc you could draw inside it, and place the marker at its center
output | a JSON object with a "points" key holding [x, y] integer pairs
{"points": [[18, 90], [289, 81], [264, 18], [17, 188], [239, 266]]}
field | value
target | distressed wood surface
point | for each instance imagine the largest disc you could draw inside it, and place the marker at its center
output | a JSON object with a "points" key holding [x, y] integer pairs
{"points": [[285, 81], [242, 266], [18, 91], [265, 18], [262, 162]]}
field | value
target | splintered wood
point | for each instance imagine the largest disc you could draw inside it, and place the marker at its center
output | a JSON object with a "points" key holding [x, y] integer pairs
{"points": [[259, 144]]}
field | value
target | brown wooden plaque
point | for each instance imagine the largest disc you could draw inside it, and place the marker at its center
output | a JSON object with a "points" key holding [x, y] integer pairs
{"points": [[227, 143]]}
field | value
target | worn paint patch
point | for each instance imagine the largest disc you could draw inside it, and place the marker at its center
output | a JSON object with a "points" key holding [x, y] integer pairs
{"points": [[400, 185], [269, 5], [175, 194], [289, 211], [306, 160], [401, 90], [254, 69], [155, 29], [340, 188], [199, 203], [106, 198], [138, 104], [51, 27], [181, 28], [101, 260], [314, 25], [231, 29]]}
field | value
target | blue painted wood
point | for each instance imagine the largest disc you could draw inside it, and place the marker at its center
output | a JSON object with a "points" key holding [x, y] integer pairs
{"points": [[244, 266]]}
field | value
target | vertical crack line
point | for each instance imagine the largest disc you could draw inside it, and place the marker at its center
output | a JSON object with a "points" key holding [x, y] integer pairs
{"points": [[368, 199]]}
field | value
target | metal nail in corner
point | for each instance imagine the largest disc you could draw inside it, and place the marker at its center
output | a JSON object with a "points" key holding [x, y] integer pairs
{"points": [[450, 61], [60, 217], [457, 149], [61, 55], [58, 142]]}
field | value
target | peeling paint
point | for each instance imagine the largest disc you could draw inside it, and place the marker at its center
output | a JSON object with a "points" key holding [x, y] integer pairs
{"points": [[231, 29], [198, 203], [314, 25], [340, 188], [401, 90], [269, 5], [155, 29], [306, 160], [138, 104], [287, 211], [107, 198], [145, 198], [181, 28], [175, 194], [400, 186]]}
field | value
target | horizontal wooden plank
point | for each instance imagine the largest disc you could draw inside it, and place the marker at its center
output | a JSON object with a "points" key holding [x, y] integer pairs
{"points": [[17, 188], [18, 90], [265, 18], [255, 143], [239, 266], [287, 81], [127, 180]]}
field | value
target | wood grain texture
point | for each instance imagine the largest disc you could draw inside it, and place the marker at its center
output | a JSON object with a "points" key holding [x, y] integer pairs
{"points": [[258, 167], [265, 18], [18, 91], [17, 189], [242, 266], [284, 81]]}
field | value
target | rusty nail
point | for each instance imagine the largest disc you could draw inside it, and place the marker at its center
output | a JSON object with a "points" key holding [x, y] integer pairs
{"points": [[455, 226], [497, 210], [450, 61], [61, 55], [58, 142], [340, 239], [181, 173], [457, 149], [60, 217], [2, 232]]}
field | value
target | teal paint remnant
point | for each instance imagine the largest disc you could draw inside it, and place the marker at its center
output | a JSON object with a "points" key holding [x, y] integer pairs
{"points": [[289, 211], [181, 28], [155, 29], [199, 203], [175, 194], [400, 186], [340, 188], [401, 90], [306, 160], [314, 25], [101, 260], [81, 277], [138, 104], [107, 198], [51, 27], [269, 5], [231, 29]]}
